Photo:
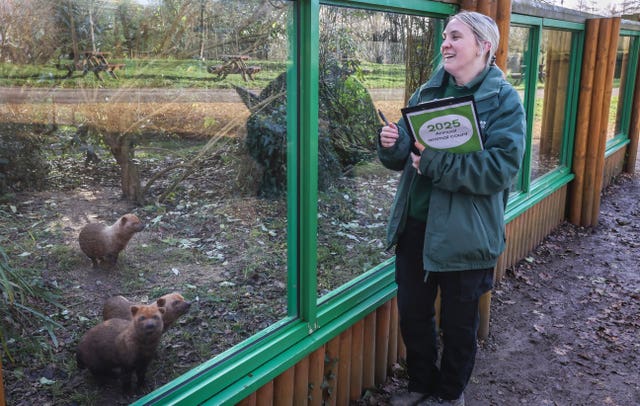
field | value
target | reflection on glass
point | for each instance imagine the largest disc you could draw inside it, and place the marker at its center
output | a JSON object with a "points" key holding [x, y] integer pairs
{"points": [[174, 111], [368, 60], [516, 71], [619, 88], [551, 98]]}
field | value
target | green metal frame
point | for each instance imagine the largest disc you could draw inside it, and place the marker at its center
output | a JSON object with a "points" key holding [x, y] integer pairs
{"points": [[241, 370], [312, 321], [532, 192], [622, 139]]}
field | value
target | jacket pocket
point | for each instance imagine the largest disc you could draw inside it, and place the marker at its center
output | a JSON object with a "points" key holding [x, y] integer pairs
{"points": [[464, 230]]}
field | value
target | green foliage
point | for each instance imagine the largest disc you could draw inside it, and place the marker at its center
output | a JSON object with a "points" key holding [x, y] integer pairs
{"points": [[19, 302]]}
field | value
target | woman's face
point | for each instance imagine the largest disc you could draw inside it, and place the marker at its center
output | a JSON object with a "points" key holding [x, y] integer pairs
{"points": [[462, 57]]}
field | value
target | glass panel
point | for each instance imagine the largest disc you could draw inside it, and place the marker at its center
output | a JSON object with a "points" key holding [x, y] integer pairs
{"points": [[174, 111], [363, 55], [516, 71], [551, 98], [620, 89]]}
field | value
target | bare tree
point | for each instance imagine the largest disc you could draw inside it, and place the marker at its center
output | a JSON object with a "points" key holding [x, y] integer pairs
{"points": [[27, 32], [420, 51]]}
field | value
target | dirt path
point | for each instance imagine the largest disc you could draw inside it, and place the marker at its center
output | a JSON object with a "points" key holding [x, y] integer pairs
{"points": [[19, 95], [564, 328], [565, 320]]}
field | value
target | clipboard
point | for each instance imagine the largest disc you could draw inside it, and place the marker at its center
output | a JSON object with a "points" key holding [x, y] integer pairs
{"points": [[449, 124]]}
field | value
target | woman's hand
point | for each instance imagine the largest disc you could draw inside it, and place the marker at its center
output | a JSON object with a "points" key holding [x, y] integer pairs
{"points": [[389, 135], [416, 158]]}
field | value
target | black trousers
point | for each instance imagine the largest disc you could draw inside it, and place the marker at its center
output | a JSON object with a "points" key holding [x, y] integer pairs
{"points": [[460, 292]]}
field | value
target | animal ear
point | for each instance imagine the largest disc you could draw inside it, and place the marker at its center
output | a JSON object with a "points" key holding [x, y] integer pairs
{"points": [[161, 302], [123, 219], [134, 310]]}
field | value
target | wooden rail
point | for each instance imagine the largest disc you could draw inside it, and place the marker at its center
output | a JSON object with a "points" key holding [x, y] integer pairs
{"points": [[339, 372], [593, 115]]}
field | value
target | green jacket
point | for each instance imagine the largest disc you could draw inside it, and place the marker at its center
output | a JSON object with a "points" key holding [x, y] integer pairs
{"points": [[465, 225]]}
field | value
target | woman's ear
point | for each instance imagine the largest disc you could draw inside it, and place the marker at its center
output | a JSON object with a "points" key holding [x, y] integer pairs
{"points": [[485, 47]]}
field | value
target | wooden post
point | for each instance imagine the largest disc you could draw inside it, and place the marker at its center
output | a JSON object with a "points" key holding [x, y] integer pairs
{"points": [[576, 188], [249, 400], [487, 7], [316, 376], [593, 146], [357, 347], [503, 19], [484, 307], [612, 45], [369, 351], [555, 92], [402, 348], [469, 5], [392, 356], [383, 317], [332, 371], [301, 382], [264, 395], [344, 367], [283, 388]]}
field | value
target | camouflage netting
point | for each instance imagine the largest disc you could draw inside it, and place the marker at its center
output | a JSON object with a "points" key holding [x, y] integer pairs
{"points": [[347, 131], [23, 165]]}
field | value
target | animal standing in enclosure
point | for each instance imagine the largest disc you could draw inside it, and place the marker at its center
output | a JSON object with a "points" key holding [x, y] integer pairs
{"points": [[102, 243]]}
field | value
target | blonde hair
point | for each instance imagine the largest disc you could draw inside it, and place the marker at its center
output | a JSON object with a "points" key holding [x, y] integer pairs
{"points": [[484, 29]]}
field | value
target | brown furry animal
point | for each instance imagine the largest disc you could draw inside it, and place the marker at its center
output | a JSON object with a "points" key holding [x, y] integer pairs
{"points": [[173, 303], [102, 243], [125, 344]]}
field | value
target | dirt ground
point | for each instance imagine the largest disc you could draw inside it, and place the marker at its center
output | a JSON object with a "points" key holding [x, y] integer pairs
{"points": [[565, 320]]}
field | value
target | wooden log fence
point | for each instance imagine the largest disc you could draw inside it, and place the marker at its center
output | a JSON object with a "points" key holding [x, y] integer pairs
{"points": [[576, 194], [338, 372], [612, 26], [593, 116]]}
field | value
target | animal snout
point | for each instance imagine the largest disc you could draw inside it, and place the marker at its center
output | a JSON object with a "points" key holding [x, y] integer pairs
{"points": [[150, 326]]}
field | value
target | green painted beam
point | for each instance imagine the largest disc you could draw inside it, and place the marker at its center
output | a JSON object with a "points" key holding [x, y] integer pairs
{"points": [[308, 14], [281, 362], [418, 7], [266, 358]]}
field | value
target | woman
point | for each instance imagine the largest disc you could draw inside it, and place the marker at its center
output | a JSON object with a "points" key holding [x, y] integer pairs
{"points": [[447, 219]]}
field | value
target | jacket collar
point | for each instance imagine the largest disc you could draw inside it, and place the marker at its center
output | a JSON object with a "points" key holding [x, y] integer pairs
{"points": [[489, 87]]}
